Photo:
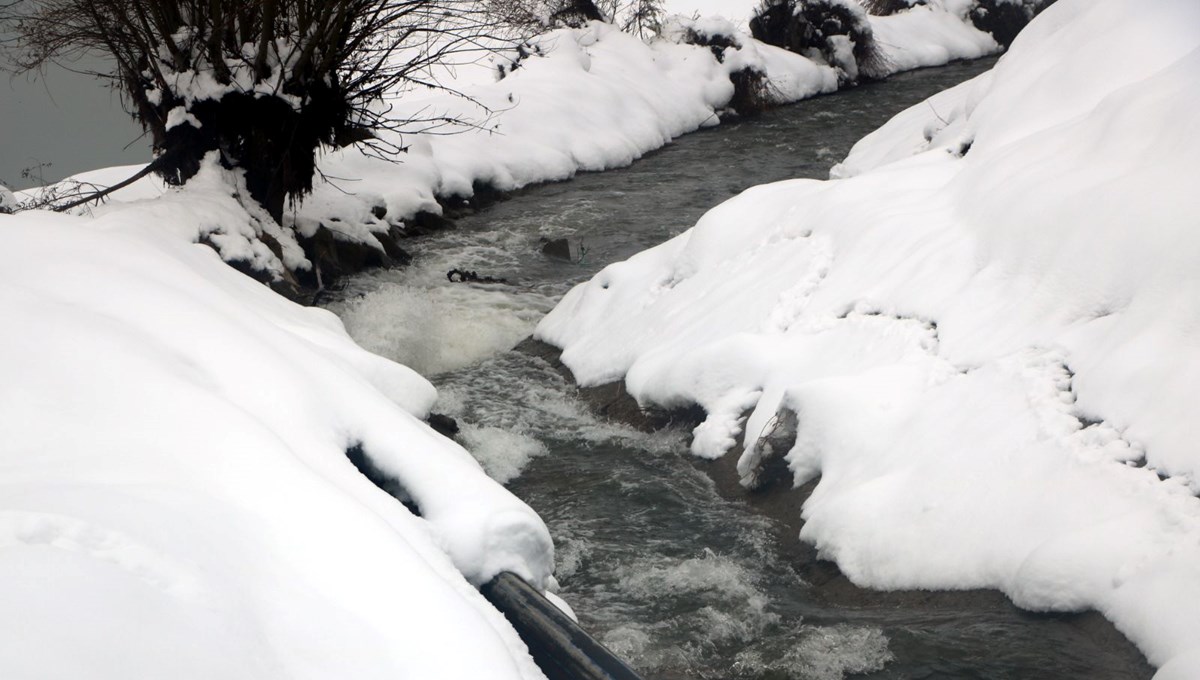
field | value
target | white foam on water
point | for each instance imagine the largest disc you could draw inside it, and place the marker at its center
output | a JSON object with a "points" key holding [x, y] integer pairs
{"points": [[729, 607], [416, 316], [634, 643], [527, 396], [503, 453], [709, 573], [438, 328], [724, 625], [832, 652], [565, 413], [627, 641], [571, 550], [817, 653]]}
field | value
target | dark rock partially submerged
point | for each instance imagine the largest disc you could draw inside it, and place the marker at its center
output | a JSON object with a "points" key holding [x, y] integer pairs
{"points": [[465, 276], [565, 249], [443, 425]]}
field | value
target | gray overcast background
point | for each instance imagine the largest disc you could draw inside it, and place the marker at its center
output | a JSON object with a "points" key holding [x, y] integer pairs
{"points": [[71, 121]]}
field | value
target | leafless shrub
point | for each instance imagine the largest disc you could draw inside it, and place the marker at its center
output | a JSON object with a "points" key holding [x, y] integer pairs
{"points": [[266, 83], [1004, 19], [889, 7], [639, 17], [837, 32]]}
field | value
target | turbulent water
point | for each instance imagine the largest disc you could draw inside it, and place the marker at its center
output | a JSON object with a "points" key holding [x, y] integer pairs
{"points": [[677, 580]]}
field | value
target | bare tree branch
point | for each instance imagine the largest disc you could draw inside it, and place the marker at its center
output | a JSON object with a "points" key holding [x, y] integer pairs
{"points": [[100, 194], [266, 83]]}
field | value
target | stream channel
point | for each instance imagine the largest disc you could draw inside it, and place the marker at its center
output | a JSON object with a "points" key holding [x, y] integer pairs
{"points": [[678, 580]]}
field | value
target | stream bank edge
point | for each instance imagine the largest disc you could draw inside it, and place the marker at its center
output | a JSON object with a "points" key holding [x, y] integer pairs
{"points": [[782, 504]]}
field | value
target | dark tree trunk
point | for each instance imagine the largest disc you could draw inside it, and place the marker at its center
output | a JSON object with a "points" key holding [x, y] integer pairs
{"points": [[270, 140]]}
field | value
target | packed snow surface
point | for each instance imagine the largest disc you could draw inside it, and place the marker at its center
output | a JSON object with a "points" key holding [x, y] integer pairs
{"points": [[175, 496], [989, 330]]}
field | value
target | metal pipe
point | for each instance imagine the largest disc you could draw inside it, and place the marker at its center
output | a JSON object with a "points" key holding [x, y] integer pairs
{"points": [[562, 649]]}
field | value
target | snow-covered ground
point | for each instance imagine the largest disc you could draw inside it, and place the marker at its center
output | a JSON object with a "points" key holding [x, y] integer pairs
{"points": [[988, 330], [175, 497]]}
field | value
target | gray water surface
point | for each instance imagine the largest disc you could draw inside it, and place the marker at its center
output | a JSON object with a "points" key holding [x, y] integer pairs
{"points": [[61, 122], [661, 568]]}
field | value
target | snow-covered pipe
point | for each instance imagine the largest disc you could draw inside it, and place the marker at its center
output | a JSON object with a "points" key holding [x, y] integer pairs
{"points": [[562, 649]]}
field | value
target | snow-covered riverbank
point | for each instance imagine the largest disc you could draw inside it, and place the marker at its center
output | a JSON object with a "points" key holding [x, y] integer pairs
{"points": [[176, 500], [989, 345], [176, 496], [587, 99], [628, 96]]}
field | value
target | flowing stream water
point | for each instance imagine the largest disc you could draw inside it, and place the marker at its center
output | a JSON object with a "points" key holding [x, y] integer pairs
{"points": [[660, 567]]}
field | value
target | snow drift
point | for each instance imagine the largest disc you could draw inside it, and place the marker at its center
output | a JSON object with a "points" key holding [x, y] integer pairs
{"points": [[987, 331], [176, 500]]}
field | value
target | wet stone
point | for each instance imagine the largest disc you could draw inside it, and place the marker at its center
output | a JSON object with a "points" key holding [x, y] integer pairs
{"points": [[568, 250]]}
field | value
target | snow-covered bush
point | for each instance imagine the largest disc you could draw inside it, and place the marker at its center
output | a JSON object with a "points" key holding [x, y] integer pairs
{"points": [[836, 32], [889, 7], [543, 14], [509, 62], [639, 17], [1004, 19], [8, 202], [752, 91], [265, 83], [716, 34]]}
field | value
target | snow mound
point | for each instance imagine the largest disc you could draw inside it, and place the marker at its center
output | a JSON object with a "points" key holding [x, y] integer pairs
{"points": [[177, 500], [931, 34], [987, 333]]}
